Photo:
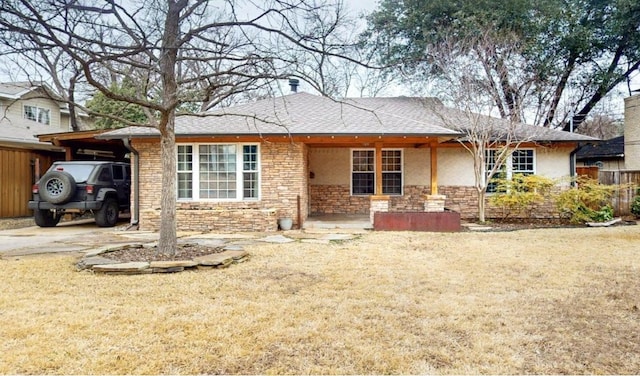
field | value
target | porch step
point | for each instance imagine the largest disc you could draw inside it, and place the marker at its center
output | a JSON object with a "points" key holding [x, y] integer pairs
{"points": [[338, 221]]}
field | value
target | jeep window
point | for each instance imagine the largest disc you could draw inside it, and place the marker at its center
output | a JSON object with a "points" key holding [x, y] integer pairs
{"points": [[105, 174], [118, 172], [79, 172]]}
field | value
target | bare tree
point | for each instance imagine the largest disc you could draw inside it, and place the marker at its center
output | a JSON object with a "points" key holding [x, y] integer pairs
{"points": [[180, 53], [471, 97]]}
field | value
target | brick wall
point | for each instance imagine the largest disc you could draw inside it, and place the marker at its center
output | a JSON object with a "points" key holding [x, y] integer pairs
{"points": [[284, 175]]}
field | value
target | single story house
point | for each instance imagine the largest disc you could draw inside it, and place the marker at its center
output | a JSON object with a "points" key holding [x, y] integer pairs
{"points": [[302, 155]]}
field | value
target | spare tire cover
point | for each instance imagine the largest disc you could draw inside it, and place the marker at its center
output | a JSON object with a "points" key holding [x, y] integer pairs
{"points": [[57, 187]]}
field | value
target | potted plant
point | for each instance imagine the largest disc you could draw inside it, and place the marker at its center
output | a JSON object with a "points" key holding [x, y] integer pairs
{"points": [[285, 221]]}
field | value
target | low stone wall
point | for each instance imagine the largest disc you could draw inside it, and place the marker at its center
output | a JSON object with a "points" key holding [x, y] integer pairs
{"points": [[464, 200], [337, 199], [207, 217]]}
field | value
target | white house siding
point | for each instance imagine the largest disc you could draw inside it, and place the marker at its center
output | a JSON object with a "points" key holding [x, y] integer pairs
{"points": [[461, 196], [330, 186], [13, 111]]}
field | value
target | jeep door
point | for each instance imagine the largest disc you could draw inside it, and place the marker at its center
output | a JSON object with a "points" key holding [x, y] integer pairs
{"points": [[122, 184]]}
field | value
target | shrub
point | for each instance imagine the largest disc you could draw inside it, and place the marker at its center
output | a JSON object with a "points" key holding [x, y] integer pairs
{"points": [[521, 193], [587, 201], [635, 205]]}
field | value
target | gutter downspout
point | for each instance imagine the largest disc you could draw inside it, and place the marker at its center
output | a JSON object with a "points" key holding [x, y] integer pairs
{"points": [[135, 216], [572, 163]]}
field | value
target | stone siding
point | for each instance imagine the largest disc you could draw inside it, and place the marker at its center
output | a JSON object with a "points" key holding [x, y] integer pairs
{"points": [[464, 200], [337, 199], [283, 178]]}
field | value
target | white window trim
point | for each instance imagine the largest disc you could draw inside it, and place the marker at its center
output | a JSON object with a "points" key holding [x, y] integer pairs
{"points": [[509, 164], [375, 159], [195, 171], [38, 109]]}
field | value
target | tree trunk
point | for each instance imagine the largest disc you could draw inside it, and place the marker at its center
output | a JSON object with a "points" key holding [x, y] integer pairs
{"points": [[481, 205], [168, 241]]}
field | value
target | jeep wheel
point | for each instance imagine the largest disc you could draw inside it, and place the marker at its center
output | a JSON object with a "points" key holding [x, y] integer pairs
{"points": [[57, 187], [107, 215], [46, 218]]}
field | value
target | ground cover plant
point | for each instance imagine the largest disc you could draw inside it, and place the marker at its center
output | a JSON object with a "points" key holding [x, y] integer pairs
{"points": [[530, 301]]}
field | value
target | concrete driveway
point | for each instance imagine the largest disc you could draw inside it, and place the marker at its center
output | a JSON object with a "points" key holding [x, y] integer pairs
{"points": [[68, 237]]}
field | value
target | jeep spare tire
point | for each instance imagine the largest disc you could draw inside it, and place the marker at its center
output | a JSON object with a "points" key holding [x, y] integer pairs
{"points": [[57, 187]]}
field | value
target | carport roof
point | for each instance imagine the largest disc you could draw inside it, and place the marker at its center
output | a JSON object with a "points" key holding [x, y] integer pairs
{"points": [[85, 140]]}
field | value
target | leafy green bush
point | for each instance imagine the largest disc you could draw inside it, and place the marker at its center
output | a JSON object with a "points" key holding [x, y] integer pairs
{"points": [[521, 193], [635, 205], [587, 201]]}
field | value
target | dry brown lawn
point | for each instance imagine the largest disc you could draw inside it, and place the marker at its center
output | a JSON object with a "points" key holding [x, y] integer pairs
{"points": [[533, 301]]}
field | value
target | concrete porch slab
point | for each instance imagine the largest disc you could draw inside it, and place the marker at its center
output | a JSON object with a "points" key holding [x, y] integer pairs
{"points": [[338, 221]]}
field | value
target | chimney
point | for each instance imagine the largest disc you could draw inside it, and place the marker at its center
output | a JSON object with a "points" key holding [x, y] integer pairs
{"points": [[632, 133], [293, 83]]}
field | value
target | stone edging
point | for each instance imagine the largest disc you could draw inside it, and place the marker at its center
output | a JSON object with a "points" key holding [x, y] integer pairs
{"points": [[103, 265]]}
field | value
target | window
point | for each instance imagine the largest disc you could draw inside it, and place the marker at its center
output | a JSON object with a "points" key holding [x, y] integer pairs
{"points": [[39, 114], [222, 172], [363, 172], [392, 172], [522, 161]]}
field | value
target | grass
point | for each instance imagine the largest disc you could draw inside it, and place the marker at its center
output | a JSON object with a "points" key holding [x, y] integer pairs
{"points": [[534, 301]]}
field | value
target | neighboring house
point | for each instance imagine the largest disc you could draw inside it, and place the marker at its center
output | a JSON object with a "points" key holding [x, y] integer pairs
{"points": [[26, 110], [303, 155], [619, 153], [617, 161], [605, 155]]}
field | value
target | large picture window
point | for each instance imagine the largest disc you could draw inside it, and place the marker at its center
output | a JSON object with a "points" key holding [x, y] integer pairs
{"points": [[521, 161], [39, 114], [363, 172], [218, 172]]}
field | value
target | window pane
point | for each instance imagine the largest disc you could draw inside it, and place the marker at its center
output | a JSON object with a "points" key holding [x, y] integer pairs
{"points": [[491, 159], [250, 157], [250, 185], [185, 158], [391, 183], [363, 183], [363, 161], [185, 184], [217, 171], [522, 162], [43, 116], [391, 160], [30, 112]]}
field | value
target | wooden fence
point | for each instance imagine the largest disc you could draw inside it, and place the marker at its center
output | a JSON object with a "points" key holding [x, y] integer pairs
{"points": [[630, 182], [17, 175]]}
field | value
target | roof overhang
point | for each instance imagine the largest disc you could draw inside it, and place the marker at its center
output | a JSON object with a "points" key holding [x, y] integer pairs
{"points": [[87, 142]]}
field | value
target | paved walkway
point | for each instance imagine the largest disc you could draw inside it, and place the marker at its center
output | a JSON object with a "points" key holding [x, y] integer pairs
{"points": [[87, 239]]}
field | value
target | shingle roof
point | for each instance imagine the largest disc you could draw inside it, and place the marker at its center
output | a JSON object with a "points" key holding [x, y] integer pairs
{"points": [[611, 148], [307, 114], [27, 136]]}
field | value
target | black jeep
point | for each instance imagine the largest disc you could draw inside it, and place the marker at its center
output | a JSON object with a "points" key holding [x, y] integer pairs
{"points": [[77, 187]]}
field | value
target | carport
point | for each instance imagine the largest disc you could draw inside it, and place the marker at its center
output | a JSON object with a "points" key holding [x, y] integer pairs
{"points": [[84, 145]]}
